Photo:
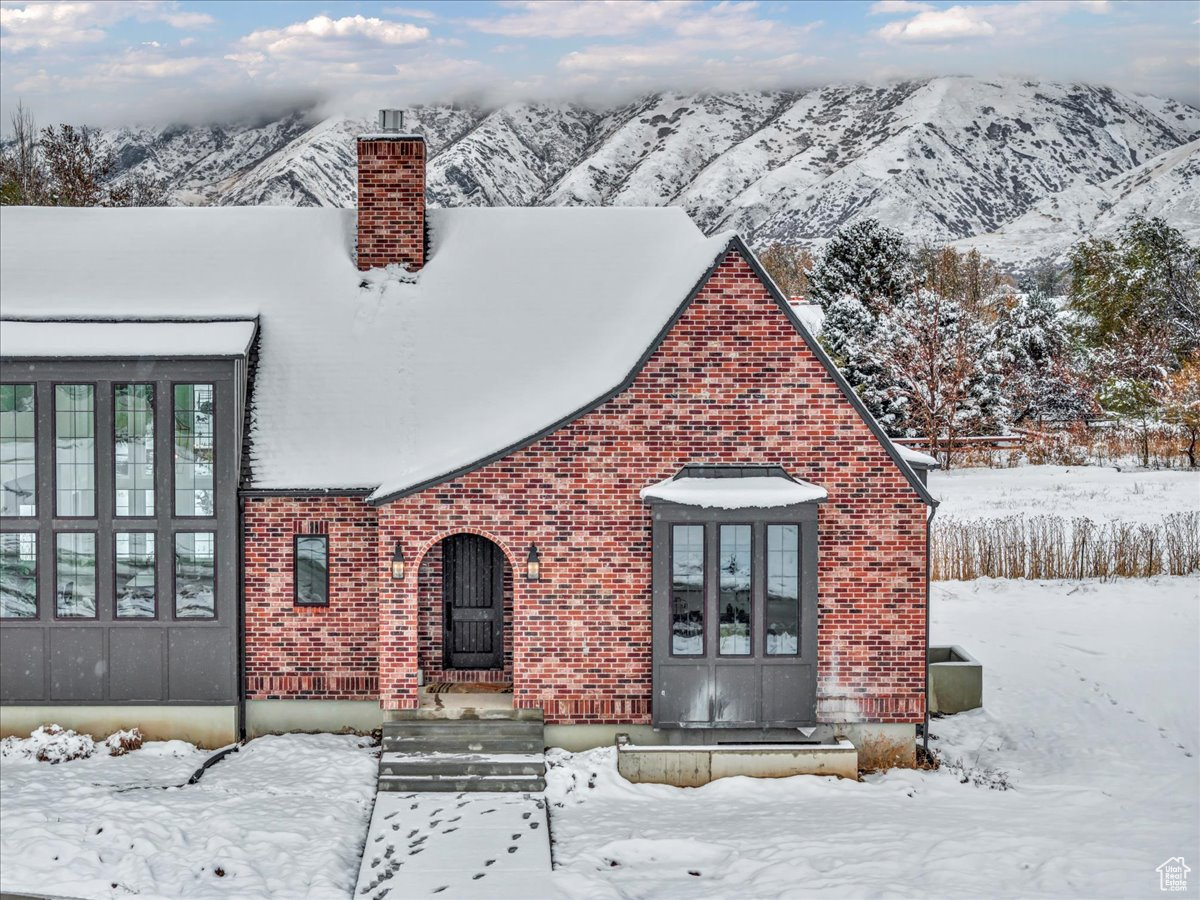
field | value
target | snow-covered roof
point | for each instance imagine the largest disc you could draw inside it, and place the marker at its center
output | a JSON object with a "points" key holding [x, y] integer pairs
{"points": [[752, 492], [916, 458], [520, 318], [39, 340]]}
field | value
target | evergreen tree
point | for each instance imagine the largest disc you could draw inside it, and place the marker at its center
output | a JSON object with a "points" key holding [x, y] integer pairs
{"points": [[865, 261], [1040, 381]]}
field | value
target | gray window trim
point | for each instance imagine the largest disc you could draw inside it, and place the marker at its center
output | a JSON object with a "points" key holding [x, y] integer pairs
{"points": [[38, 564], [216, 453], [175, 532], [37, 493], [96, 424], [96, 542], [757, 581], [296, 539], [157, 450], [157, 592]]}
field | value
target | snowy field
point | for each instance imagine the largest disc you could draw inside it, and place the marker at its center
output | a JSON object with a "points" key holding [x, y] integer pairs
{"points": [[283, 817], [1090, 720], [1097, 492], [1090, 723]]}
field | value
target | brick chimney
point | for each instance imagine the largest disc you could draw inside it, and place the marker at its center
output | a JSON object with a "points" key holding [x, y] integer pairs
{"points": [[391, 195]]}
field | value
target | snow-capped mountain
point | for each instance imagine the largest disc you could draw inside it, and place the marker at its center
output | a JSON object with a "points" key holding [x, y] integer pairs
{"points": [[943, 159], [1167, 186]]}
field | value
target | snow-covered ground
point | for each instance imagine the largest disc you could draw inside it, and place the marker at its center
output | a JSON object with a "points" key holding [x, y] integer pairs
{"points": [[1097, 492], [1090, 718], [283, 817]]}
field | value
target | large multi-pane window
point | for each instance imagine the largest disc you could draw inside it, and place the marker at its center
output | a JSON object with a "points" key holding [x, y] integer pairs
{"points": [[194, 422], [195, 574], [311, 570], [733, 611], [18, 469], [133, 567], [783, 590], [18, 575], [75, 450], [75, 574], [133, 449], [687, 590]]}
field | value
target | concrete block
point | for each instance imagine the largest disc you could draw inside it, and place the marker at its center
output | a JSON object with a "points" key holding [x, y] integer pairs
{"points": [[955, 680]]}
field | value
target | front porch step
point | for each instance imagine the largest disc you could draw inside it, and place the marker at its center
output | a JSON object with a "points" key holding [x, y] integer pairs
{"points": [[424, 765], [464, 750], [474, 743], [462, 783]]}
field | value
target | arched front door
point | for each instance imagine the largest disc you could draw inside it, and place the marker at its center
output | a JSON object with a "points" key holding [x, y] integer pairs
{"points": [[473, 603]]}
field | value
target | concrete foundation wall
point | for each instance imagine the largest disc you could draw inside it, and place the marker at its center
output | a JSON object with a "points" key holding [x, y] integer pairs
{"points": [[879, 745], [205, 726], [275, 716], [685, 767]]}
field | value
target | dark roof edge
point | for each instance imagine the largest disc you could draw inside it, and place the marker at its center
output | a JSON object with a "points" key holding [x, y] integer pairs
{"points": [[583, 410], [843, 385], [304, 492]]}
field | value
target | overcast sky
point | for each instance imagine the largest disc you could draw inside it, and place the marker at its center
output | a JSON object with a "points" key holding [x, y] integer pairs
{"points": [[155, 60]]}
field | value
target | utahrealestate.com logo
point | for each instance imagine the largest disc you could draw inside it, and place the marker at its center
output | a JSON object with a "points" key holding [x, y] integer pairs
{"points": [[1172, 875]]}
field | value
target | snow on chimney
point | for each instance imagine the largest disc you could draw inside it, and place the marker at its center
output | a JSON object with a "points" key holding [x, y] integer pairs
{"points": [[391, 195]]}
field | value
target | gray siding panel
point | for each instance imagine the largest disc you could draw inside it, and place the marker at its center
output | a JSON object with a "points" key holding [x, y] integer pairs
{"points": [[23, 655], [200, 669], [136, 659], [78, 664]]}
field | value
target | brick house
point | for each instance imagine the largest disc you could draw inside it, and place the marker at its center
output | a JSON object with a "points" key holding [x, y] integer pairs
{"points": [[295, 468]]}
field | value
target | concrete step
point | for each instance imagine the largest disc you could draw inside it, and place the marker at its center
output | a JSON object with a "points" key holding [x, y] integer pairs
{"points": [[464, 713], [462, 783], [489, 744], [453, 764], [464, 727]]}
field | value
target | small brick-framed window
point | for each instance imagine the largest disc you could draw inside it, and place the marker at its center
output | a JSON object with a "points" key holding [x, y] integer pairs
{"points": [[310, 569]]}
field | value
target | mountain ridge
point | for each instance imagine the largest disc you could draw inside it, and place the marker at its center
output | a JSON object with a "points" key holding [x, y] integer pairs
{"points": [[944, 159]]}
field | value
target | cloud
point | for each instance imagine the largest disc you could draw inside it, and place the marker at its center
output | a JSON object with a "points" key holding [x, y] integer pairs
{"points": [[408, 12], [45, 25], [321, 32], [898, 7], [590, 18], [957, 23]]}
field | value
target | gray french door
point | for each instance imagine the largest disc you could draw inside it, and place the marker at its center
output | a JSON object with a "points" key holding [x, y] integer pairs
{"points": [[473, 603]]}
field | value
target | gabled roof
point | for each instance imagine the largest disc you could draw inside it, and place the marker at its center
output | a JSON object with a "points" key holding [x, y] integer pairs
{"points": [[384, 382]]}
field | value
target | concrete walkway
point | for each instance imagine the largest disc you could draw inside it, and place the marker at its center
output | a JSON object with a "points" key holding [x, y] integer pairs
{"points": [[491, 846]]}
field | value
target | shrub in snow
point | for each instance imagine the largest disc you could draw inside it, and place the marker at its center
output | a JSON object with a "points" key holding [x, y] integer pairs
{"points": [[49, 743], [55, 744], [121, 742]]}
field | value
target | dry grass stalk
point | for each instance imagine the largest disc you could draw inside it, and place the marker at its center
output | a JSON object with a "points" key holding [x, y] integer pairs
{"points": [[1048, 547]]}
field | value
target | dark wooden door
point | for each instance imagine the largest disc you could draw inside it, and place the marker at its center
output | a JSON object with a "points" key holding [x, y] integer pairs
{"points": [[473, 602]]}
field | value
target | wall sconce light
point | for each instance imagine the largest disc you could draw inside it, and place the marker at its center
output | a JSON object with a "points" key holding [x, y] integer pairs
{"points": [[533, 565], [398, 563]]}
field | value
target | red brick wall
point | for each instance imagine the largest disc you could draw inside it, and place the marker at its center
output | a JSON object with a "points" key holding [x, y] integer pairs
{"points": [[732, 383], [300, 652], [429, 626], [391, 202]]}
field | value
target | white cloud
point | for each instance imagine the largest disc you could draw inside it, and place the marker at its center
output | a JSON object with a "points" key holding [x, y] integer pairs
{"points": [[956, 23], [590, 18], [898, 7], [936, 26], [408, 12], [344, 33], [45, 25]]}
